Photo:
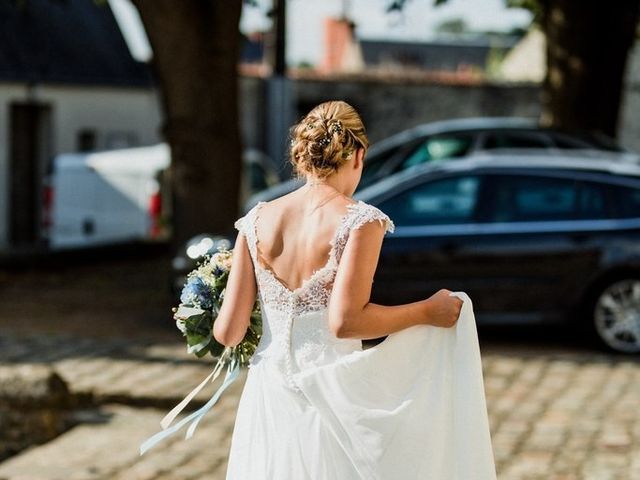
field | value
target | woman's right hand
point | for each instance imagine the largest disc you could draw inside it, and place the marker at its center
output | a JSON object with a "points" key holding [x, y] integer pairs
{"points": [[444, 309]]}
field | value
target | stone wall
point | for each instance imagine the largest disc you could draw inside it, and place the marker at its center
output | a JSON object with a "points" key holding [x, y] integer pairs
{"points": [[390, 106], [34, 401], [387, 107]]}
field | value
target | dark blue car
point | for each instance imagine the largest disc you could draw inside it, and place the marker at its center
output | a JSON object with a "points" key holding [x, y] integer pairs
{"points": [[530, 239]]}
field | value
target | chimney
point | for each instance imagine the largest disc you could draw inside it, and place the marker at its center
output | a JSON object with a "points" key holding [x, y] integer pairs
{"points": [[341, 51]]}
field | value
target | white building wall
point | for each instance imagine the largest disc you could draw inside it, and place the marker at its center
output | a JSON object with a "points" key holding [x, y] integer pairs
{"points": [[110, 111]]}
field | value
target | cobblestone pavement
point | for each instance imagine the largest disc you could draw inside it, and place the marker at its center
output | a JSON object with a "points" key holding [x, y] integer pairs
{"points": [[558, 410], [554, 415]]}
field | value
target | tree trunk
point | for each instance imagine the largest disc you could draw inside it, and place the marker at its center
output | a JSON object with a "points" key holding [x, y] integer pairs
{"points": [[195, 54], [588, 43]]}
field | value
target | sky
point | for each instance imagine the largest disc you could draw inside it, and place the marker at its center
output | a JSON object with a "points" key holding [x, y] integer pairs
{"points": [[304, 21]]}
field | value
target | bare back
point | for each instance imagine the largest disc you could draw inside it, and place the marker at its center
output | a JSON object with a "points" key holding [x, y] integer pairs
{"points": [[294, 235]]}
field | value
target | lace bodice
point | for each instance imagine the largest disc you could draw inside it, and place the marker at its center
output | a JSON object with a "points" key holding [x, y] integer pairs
{"points": [[295, 327]]}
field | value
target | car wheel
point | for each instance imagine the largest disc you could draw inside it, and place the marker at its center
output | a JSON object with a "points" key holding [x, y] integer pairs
{"points": [[615, 314]]}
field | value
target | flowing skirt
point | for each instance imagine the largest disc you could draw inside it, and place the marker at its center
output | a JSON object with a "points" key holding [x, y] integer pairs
{"points": [[410, 407]]}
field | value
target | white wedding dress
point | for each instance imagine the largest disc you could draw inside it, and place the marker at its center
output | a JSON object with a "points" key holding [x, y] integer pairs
{"points": [[318, 407]]}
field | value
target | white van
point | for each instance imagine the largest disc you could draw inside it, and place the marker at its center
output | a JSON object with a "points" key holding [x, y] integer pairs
{"points": [[107, 197], [113, 196]]}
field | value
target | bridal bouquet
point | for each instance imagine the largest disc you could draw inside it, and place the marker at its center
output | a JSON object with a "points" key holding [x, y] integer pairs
{"points": [[200, 302]]}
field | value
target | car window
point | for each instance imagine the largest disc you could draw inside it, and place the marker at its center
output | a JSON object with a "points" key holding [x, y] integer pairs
{"points": [[592, 201], [598, 140], [523, 198], [445, 201], [373, 165], [627, 201], [257, 177], [514, 140], [438, 147], [567, 142]]}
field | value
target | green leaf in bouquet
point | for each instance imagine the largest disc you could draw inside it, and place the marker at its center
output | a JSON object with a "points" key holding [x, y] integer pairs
{"points": [[202, 353], [195, 339], [216, 348], [200, 324]]}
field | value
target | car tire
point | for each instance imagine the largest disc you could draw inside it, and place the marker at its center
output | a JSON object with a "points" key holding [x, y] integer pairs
{"points": [[614, 313]]}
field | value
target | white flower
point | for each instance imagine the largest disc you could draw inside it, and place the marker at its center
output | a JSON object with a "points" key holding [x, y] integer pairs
{"points": [[181, 326]]}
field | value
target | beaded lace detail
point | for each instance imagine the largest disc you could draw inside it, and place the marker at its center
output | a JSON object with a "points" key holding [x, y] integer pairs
{"points": [[314, 292]]}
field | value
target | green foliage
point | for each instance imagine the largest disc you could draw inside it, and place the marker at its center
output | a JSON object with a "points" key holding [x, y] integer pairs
{"points": [[395, 5], [534, 6], [305, 64], [198, 330], [452, 25]]}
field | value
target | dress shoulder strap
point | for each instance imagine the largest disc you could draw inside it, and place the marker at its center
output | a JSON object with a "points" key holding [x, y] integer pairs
{"points": [[246, 225], [358, 214], [363, 213]]}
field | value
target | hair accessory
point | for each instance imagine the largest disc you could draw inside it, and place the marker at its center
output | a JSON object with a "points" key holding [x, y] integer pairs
{"points": [[324, 141], [335, 127]]}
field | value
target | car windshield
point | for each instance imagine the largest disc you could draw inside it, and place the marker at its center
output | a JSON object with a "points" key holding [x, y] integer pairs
{"points": [[374, 164]]}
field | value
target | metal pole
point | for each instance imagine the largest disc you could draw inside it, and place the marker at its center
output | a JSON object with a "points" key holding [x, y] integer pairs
{"points": [[279, 105]]}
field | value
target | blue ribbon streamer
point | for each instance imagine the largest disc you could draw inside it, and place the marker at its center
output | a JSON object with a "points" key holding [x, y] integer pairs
{"points": [[230, 358]]}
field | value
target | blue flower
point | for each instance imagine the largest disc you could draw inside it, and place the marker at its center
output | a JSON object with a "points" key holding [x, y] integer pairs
{"points": [[196, 292], [218, 271]]}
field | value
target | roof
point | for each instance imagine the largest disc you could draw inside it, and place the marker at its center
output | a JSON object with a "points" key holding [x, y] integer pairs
{"points": [[70, 41], [438, 55], [146, 158]]}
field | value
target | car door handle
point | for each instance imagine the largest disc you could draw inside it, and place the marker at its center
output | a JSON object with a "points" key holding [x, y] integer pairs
{"points": [[579, 237], [449, 247]]}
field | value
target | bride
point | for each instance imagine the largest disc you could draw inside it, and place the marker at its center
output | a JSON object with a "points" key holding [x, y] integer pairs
{"points": [[316, 405]]}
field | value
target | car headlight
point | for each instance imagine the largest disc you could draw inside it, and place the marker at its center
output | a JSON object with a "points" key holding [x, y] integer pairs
{"points": [[202, 244]]}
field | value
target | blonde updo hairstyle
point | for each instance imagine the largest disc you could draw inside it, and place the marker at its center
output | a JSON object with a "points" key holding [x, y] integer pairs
{"points": [[325, 139]]}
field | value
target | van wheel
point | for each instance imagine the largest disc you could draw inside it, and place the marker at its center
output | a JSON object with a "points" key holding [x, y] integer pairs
{"points": [[615, 315]]}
